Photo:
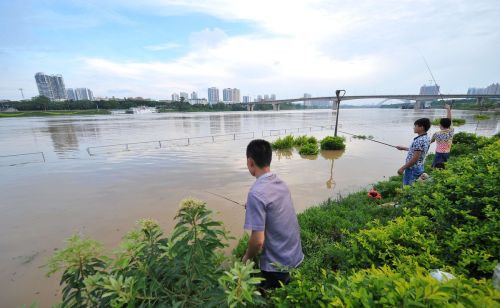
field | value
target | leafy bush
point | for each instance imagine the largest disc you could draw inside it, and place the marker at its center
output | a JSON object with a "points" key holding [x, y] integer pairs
{"points": [[309, 149], [404, 286], [303, 140], [153, 270], [390, 188], [333, 143], [283, 143]]}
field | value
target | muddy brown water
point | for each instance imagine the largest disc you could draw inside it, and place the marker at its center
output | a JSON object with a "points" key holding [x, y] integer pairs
{"points": [[102, 196]]}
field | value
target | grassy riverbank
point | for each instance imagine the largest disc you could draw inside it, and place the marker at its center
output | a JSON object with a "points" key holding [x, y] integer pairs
{"points": [[359, 251], [52, 113]]}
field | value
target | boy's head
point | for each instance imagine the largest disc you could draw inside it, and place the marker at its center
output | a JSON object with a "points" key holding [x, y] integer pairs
{"points": [[445, 123], [259, 155], [422, 125]]}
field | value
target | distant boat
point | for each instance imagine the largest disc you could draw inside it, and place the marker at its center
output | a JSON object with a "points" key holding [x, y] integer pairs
{"points": [[140, 110]]}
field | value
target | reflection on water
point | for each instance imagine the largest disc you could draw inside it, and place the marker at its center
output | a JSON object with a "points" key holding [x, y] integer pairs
{"points": [[103, 195]]}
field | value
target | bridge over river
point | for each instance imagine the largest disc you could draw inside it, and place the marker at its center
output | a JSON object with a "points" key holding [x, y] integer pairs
{"points": [[419, 99]]}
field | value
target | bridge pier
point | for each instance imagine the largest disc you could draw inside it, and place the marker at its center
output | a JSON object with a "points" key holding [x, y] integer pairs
{"points": [[276, 106], [250, 107]]}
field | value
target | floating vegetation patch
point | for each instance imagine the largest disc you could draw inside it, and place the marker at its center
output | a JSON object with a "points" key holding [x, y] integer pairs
{"points": [[309, 149], [286, 142], [333, 143], [481, 117]]}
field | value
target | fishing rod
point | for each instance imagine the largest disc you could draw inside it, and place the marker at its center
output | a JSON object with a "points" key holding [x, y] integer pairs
{"points": [[434, 79], [226, 198], [371, 140]]}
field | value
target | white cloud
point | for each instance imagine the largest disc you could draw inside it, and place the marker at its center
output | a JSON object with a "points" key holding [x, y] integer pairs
{"points": [[161, 47], [314, 46]]}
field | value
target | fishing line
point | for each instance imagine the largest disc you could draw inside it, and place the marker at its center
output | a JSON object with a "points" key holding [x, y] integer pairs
{"points": [[226, 198], [370, 139]]}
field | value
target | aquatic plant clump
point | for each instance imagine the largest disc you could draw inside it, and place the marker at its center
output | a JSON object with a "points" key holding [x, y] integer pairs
{"points": [[481, 117], [309, 149], [333, 143], [286, 142], [303, 140]]}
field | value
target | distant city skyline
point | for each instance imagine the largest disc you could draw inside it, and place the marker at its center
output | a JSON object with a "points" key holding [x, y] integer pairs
{"points": [[132, 49]]}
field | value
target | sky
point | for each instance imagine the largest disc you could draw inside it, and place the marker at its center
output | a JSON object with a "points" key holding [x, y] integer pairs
{"points": [[153, 48]]}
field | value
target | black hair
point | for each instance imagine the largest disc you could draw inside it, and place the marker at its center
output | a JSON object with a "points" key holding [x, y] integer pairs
{"points": [[423, 122], [260, 151], [445, 122]]}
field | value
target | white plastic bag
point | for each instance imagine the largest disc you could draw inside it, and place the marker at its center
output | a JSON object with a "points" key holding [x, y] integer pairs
{"points": [[441, 276]]}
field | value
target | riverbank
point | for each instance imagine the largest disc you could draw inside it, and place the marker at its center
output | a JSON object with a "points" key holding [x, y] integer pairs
{"points": [[50, 113], [363, 251], [359, 251]]}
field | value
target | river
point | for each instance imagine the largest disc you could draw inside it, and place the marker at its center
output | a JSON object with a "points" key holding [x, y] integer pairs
{"points": [[102, 195]]}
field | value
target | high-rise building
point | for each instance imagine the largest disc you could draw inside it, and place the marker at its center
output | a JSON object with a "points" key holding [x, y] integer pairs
{"points": [[51, 86], [493, 88], [472, 91], [272, 97], [227, 95], [184, 95], [194, 95], [175, 97], [213, 95], [246, 99], [426, 90], [236, 96], [258, 99], [266, 97], [71, 94], [83, 94]]}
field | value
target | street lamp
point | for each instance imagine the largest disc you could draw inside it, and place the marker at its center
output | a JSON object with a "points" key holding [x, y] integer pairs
{"points": [[340, 94]]}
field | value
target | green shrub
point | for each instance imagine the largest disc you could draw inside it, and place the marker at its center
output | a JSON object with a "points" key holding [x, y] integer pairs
{"points": [[391, 188], [153, 270], [283, 143], [309, 149], [404, 286], [303, 140], [333, 143]]}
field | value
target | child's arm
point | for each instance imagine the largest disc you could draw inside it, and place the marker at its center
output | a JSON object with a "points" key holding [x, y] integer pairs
{"points": [[410, 163], [401, 148], [448, 111]]}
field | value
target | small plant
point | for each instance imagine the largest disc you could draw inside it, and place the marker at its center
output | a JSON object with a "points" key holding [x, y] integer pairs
{"points": [[333, 143], [309, 149], [240, 285], [481, 117], [284, 143]]}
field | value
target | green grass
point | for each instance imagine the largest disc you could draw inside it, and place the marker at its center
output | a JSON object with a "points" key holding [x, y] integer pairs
{"points": [[52, 113]]}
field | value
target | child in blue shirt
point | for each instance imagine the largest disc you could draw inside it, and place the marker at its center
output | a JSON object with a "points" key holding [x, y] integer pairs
{"points": [[414, 164]]}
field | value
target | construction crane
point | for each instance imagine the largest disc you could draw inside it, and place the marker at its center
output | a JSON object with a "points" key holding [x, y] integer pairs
{"points": [[22, 94]]}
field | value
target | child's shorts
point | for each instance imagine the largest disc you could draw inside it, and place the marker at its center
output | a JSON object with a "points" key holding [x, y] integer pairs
{"points": [[440, 158]]}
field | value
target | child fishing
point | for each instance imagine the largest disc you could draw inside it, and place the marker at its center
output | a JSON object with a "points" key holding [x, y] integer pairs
{"points": [[414, 165], [443, 140]]}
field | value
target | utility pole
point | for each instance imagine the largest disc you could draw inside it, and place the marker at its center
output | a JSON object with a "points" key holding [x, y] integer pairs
{"points": [[22, 94], [337, 93]]}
